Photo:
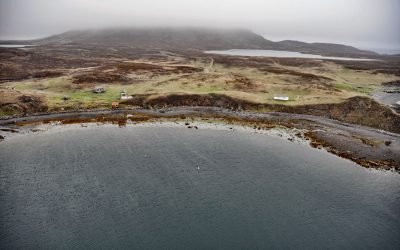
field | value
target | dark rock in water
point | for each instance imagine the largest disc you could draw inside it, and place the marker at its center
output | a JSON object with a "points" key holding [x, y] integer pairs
{"points": [[2, 137], [9, 130], [391, 91]]}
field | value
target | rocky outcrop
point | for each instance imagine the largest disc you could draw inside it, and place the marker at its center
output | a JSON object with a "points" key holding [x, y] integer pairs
{"points": [[356, 110]]}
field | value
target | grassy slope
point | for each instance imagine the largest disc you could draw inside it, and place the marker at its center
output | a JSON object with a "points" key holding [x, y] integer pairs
{"points": [[245, 83]]}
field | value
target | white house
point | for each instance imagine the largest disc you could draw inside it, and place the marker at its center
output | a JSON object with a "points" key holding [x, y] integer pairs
{"points": [[281, 98], [124, 95]]}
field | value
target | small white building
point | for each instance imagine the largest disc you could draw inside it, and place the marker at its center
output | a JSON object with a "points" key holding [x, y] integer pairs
{"points": [[99, 90], [124, 95], [281, 98]]}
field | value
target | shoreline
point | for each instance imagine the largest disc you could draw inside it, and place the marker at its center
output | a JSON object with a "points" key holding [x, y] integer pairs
{"points": [[368, 147]]}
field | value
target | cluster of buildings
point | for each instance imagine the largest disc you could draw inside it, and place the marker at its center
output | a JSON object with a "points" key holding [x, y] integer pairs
{"points": [[123, 95]]}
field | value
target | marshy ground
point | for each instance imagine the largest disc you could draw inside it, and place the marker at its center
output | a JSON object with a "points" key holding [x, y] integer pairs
{"points": [[48, 74]]}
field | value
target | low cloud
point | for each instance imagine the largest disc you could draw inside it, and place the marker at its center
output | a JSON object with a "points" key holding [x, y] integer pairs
{"points": [[358, 22]]}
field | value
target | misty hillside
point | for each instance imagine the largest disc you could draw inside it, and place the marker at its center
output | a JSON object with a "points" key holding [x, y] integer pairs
{"points": [[194, 38], [164, 38]]}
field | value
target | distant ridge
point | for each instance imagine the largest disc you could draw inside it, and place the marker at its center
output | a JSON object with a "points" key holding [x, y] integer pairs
{"points": [[191, 38], [325, 48]]}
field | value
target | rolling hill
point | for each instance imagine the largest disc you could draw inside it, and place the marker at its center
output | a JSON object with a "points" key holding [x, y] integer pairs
{"points": [[191, 38]]}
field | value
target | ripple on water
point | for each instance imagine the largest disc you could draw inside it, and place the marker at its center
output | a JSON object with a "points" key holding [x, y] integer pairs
{"points": [[173, 187]]}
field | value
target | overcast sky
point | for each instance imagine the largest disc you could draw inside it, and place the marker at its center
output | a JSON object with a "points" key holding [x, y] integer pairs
{"points": [[364, 23]]}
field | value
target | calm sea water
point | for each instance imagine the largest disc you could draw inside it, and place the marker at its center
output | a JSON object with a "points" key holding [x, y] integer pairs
{"points": [[176, 188], [14, 45], [278, 53]]}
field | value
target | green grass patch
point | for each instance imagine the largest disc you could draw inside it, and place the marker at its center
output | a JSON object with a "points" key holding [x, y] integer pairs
{"points": [[84, 98], [8, 112], [344, 86], [364, 89]]}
